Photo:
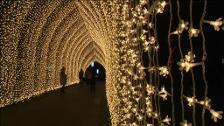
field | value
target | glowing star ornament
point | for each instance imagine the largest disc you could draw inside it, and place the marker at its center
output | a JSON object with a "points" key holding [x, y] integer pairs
{"points": [[187, 63], [206, 103], [191, 101], [167, 120], [152, 40], [163, 93], [143, 2], [181, 27], [216, 115], [160, 7], [189, 57], [150, 25], [163, 71], [193, 32], [134, 124], [150, 89], [183, 65], [216, 24], [185, 123]]}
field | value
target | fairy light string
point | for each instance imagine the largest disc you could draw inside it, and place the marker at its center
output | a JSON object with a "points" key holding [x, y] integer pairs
{"points": [[169, 63], [203, 61], [181, 54]]}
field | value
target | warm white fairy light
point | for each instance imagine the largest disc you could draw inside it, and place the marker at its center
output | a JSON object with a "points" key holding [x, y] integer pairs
{"points": [[193, 32], [181, 27], [185, 123], [166, 120], [160, 6], [216, 24], [191, 101], [188, 62], [150, 89], [163, 93], [163, 71], [206, 103], [216, 114]]}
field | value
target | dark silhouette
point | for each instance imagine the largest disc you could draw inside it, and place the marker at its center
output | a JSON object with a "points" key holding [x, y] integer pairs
{"points": [[88, 77], [63, 79], [93, 82], [81, 76]]}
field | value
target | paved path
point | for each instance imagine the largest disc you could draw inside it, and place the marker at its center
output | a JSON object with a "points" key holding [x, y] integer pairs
{"points": [[76, 107]]}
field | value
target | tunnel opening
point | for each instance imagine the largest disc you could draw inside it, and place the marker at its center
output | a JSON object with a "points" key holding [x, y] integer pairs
{"points": [[97, 70]]}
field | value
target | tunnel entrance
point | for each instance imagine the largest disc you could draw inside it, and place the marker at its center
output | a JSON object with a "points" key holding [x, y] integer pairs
{"points": [[97, 70]]}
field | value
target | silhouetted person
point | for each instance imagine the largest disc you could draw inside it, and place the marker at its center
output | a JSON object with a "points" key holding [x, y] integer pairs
{"points": [[93, 82], [88, 77], [63, 79], [81, 76]]}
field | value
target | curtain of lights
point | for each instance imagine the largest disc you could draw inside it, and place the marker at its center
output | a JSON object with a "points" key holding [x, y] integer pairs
{"points": [[143, 85], [39, 37]]}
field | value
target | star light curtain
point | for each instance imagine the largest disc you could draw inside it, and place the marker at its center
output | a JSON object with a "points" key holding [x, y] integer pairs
{"points": [[140, 90]]}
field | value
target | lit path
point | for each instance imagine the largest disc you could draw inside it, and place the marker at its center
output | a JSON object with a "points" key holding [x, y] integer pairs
{"points": [[77, 107]]}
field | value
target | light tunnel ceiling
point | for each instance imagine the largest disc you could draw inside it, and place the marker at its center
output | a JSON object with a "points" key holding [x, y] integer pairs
{"points": [[39, 37]]}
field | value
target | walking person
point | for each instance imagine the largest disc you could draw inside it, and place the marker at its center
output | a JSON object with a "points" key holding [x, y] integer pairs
{"points": [[63, 79], [81, 76], [93, 82]]}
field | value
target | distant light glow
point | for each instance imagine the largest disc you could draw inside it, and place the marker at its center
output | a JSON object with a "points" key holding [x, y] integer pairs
{"points": [[92, 64], [97, 71]]}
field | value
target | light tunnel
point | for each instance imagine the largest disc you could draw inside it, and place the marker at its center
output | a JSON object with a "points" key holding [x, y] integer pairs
{"points": [[39, 37]]}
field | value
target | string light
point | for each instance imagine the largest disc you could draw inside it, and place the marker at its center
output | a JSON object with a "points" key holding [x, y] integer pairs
{"points": [[167, 120], [193, 32], [163, 71], [216, 24], [187, 63], [181, 27], [185, 123], [216, 115], [191, 101], [163, 93]]}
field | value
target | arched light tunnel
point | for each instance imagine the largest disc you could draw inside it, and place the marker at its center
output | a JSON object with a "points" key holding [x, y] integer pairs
{"points": [[40, 37]]}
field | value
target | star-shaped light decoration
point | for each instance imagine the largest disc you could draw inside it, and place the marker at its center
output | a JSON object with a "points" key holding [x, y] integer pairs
{"points": [[181, 27], [166, 120], [184, 65], [150, 89], [134, 124], [206, 103], [185, 123], [160, 6], [152, 40], [216, 115], [163, 93], [193, 32], [150, 25], [146, 45], [163, 71], [187, 63], [189, 57], [143, 2], [216, 24], [191, 101]]}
